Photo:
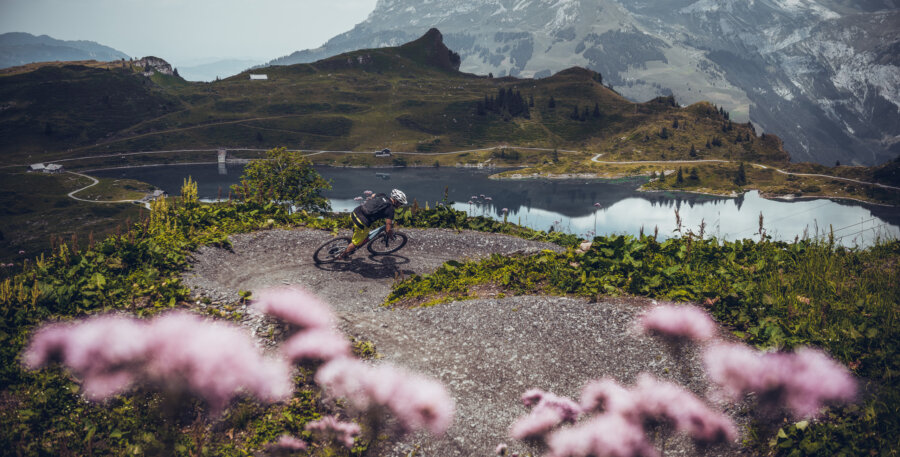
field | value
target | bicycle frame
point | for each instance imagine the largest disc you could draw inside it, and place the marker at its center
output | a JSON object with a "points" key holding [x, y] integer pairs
{"points": [[373, 233]]}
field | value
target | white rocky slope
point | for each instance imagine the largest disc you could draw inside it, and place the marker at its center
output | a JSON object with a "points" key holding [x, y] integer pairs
{"points": [[822, 74]]}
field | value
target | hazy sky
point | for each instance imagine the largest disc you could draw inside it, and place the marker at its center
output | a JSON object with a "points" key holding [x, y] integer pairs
{"points": [[186, 31]]}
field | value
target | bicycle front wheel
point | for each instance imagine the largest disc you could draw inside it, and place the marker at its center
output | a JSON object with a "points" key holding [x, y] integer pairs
{"points": [[329, 250], [382, 245]]}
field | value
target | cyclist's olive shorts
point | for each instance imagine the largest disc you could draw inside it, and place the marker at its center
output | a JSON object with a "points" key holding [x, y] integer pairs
{"points": [[360, 231]]}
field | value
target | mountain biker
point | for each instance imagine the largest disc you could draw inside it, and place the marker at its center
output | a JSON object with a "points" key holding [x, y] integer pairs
{"points": [[375, 208]]}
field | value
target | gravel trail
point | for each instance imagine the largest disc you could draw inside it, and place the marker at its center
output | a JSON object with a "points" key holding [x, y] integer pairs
{"points": [[486, 351]]}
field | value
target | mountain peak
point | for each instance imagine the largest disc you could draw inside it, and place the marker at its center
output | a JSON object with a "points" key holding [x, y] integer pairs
{"points": [[430, 49]]}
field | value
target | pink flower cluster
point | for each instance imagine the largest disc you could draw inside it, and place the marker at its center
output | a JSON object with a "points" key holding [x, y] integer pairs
{"points": [[548, 411], [178, 352], [286, 445], [803, 381], [330, 428], [620, 415], [416, 401], [295, 306], [314, 339], [316, 346], [606, 435], [686, 323]]}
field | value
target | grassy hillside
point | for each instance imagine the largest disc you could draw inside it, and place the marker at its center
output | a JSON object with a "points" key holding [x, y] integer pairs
{"points": [[409, 98]]}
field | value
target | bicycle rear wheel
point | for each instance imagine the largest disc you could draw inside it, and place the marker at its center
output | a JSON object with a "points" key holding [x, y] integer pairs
{"points": [[382, 245], [328, 251]]}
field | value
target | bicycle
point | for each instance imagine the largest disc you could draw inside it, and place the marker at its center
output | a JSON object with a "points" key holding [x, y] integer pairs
{"points": [[377, 242]]}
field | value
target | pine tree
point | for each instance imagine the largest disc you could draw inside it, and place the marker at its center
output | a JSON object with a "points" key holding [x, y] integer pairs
{"points": [[679, 179], [675, 124], [531, 101], [664, 133], [693, 152], [596, 110], [552, 103], [741, 177], [708, 146], [693, 175]]}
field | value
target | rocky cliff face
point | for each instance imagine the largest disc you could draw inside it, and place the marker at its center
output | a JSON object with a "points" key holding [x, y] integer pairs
{"points": [[152, 64], [822, 74]]}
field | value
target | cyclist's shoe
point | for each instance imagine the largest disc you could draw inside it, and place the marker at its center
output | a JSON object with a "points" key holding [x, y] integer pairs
{"points": [[343, 256]]}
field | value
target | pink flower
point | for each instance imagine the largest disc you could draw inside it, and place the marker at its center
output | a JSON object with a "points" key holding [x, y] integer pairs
{"points": [[416, 401], [549, 411], [535, 424], [330, 427], [606, 435], [213, 360], [296, 307], [665, 401], [177, 352], [679, 322], [105, 351], [803, 381], [286, 444], [606, 395], [500, 449], [359, 199], [317, 345], [367, 192]]}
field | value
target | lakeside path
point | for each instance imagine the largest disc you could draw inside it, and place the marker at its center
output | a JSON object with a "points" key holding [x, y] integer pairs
{"points": [[486, 351], [639, 162], [92, 184]]}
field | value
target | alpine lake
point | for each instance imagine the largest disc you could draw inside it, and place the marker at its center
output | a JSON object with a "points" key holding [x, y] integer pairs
{"points": [[585, 207]]}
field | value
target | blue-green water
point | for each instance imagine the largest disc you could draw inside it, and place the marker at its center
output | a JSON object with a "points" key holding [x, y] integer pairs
{"points": [[579, 206]]}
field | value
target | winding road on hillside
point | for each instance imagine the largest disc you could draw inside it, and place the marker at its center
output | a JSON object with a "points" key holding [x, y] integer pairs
{"points": [[487, 351], [92, 184]]}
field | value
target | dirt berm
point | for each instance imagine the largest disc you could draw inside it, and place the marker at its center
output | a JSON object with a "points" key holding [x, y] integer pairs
{"points": [[486, 351]]}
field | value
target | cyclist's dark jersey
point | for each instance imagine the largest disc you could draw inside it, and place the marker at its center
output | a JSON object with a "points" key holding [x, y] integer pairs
{"points": [[374, 209]]}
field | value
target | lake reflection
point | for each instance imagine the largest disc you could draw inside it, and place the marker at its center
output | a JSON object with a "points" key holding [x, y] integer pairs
{"points": [[569, 205]]}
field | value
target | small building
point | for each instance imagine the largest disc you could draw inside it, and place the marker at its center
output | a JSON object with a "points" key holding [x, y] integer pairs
{"points": [[258, 77], [383, 153], [36, 167], [53, 168], [223, 154]]}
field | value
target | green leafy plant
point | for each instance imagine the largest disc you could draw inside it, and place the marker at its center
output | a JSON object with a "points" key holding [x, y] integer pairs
{"points": [[285, 177]]}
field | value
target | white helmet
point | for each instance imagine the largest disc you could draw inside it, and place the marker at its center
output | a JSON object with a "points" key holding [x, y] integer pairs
{"points": [[399, 196]]}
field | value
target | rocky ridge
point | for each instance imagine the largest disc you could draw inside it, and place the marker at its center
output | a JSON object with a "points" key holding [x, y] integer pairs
{"points": [[820, 74]]}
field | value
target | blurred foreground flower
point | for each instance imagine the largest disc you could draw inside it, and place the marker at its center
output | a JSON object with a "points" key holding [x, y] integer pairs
{"points": [[316, 346], [416, 402], [680, 323], [286, 445], [548, 411], [297, 307], [803, 381], [177, 353], [623, 416], [330, 428]]}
